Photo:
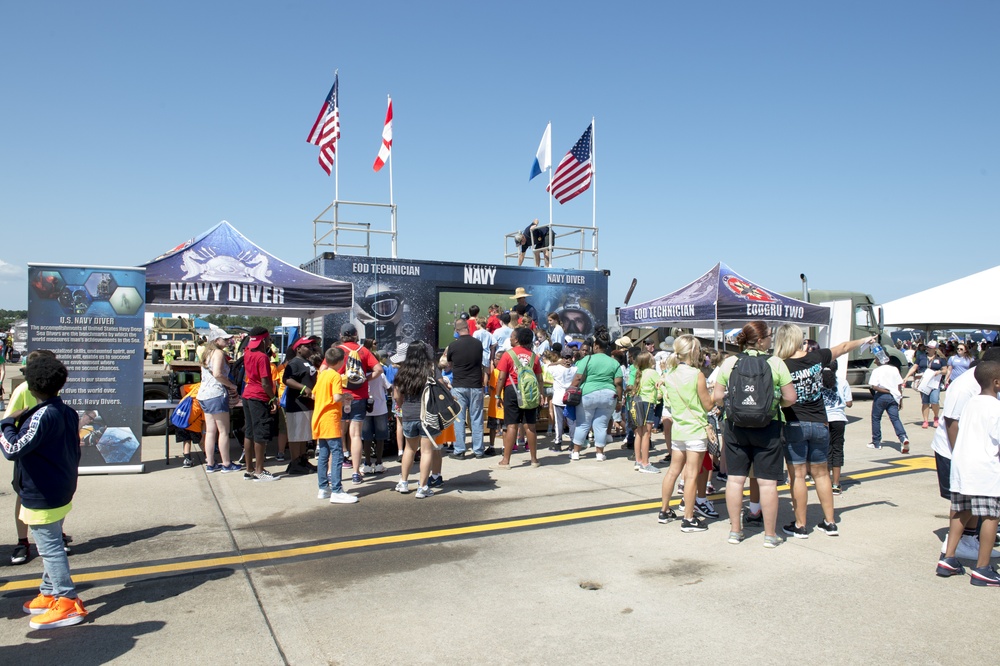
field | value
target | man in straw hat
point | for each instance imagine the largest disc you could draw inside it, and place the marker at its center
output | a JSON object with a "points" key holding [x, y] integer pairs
{"points": [[523, 307]]}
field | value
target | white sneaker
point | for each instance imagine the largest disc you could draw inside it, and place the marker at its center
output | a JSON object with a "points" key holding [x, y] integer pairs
{"points": [[575, 455], [648, 469], [367, 469], [403, 487], [637, 467], [323, 494], [968, 547], [601, 457], [379, 469], [343, 498], [424, 491]]}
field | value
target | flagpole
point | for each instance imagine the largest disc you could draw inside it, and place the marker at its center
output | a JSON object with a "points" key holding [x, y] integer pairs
{"points": [[336, 162], [593, 186], [550, 176], [391, 208]]}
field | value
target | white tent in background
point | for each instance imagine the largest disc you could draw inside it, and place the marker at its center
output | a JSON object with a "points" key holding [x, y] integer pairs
{"points": [[969, 302]]}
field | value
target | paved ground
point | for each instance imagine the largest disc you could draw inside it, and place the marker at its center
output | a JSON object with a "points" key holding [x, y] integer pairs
{"points": [[529, 566]]}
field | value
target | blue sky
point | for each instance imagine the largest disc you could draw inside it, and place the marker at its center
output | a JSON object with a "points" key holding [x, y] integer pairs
{"points": [[856, 142]]}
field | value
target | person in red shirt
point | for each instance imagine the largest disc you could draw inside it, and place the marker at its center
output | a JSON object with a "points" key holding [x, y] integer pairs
{"points": [[473, 313], [493, 321], [259, 404], [514, 415], [358, 395]]}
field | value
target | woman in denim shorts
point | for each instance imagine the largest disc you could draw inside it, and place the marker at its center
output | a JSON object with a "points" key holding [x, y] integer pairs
{"points": [[419, 364], [807, 435]]}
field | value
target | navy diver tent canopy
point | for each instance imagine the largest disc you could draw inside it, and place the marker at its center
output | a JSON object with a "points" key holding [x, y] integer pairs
{"points": [[722, 298], [223, 272]]}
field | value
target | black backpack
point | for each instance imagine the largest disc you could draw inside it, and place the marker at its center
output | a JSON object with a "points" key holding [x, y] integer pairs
{"points": [[750, 392]]}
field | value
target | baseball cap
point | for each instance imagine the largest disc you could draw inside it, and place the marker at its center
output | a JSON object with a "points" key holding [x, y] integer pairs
{"points": [[312, 339], [932, 344], [568, 353], [217, 334], [349, 329]]}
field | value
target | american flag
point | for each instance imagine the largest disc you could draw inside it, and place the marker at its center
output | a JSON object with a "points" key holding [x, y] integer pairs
{"points": [[575, 171], [326, 130]]}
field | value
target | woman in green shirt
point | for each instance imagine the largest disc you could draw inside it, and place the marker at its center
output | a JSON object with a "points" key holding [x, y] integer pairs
{"points": [[600, 379], [647, 394], [686, 392]]}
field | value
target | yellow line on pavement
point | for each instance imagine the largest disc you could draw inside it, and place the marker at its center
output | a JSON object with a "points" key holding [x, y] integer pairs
{"points": [[275, 556]]}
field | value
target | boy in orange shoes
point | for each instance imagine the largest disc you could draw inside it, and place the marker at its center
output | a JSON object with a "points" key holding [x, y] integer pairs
{"points": [[44, 443]]}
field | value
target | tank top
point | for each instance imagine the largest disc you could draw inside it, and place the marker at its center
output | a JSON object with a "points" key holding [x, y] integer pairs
{"points": [[210, 386]]}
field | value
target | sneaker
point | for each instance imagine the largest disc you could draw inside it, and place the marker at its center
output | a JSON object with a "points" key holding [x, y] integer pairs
{"points": [[249, 476], [706, 508], [680, 486], [649, 469], [357, 478], [63, 612], [489, 451], [949, 566], [905, 448], [187, 463], [755, 519], [324, 493], [791, 529], [379, 469], [984, 576], [231, 467], [924, 425], [637, 467], [435, 481], [22, 552], [424, 491], [213, 468], [936, 424], [693, 525], [479, 455], [280, 457], [343, 498], [575, 455], [665, 517], [721, 476], [66, 547], [267, 476], [402, 487], [735, 538], [601, 457], [38, 605], [457, 456], [772, 541], [709, 488], [367, 469], [873, 445], [347, 464], [835, 488], [830, 529]]}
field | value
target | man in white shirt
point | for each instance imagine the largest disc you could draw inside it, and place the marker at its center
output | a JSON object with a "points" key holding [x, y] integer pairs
{"points": [[887, 385]]}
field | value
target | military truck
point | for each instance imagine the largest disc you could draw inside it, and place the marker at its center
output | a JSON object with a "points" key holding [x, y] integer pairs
{"points": [[855, 315], [169, 333]]}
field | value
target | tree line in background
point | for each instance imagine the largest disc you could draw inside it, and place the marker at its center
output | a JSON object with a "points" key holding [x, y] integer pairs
{"points": [[8, 317], [231, 321]]}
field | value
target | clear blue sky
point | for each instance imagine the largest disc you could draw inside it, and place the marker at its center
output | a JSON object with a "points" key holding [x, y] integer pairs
{"points": [[857, 142]]}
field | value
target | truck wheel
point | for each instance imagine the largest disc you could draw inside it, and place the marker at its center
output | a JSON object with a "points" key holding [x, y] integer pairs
{"points": [[154, 421], [157, 357]]}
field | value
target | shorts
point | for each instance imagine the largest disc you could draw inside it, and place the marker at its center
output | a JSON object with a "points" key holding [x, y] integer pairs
{"points": [[983, 507], [493, 423], [512, 414], [760, 447], [359, 410], [413, 429], [932, 398], [299, 425], [644, 413], [807, 442], [377, 426], [692, 445], [944, 475], [279, 418], [218, 405], [542, 242], [260, 422]]}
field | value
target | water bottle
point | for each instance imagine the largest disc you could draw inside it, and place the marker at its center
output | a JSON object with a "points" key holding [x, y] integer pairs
{"points": [[879, 353]]}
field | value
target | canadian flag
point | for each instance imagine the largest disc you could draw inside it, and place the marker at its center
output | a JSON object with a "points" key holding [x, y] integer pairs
{"points": [[383, 152]]}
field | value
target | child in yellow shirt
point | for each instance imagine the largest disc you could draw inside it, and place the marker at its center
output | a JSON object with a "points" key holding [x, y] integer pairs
{"points": [[326, 430]]}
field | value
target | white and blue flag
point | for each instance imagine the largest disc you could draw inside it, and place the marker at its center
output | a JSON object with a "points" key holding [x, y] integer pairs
{"points": [[543, 158]]}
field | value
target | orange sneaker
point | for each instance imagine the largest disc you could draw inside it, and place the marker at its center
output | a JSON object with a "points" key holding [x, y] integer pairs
{"points": [[62, 613], [38, 605]]}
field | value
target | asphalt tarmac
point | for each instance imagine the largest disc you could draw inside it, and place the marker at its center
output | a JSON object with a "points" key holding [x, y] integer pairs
{"points": [[565, 562]]}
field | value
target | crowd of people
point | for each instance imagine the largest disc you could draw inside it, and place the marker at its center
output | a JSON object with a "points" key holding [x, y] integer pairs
{"points": [[774, 412]]}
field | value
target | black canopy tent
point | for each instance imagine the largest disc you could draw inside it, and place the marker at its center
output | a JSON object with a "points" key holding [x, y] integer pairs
{"points": [[224, 272], [722, 298]]}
